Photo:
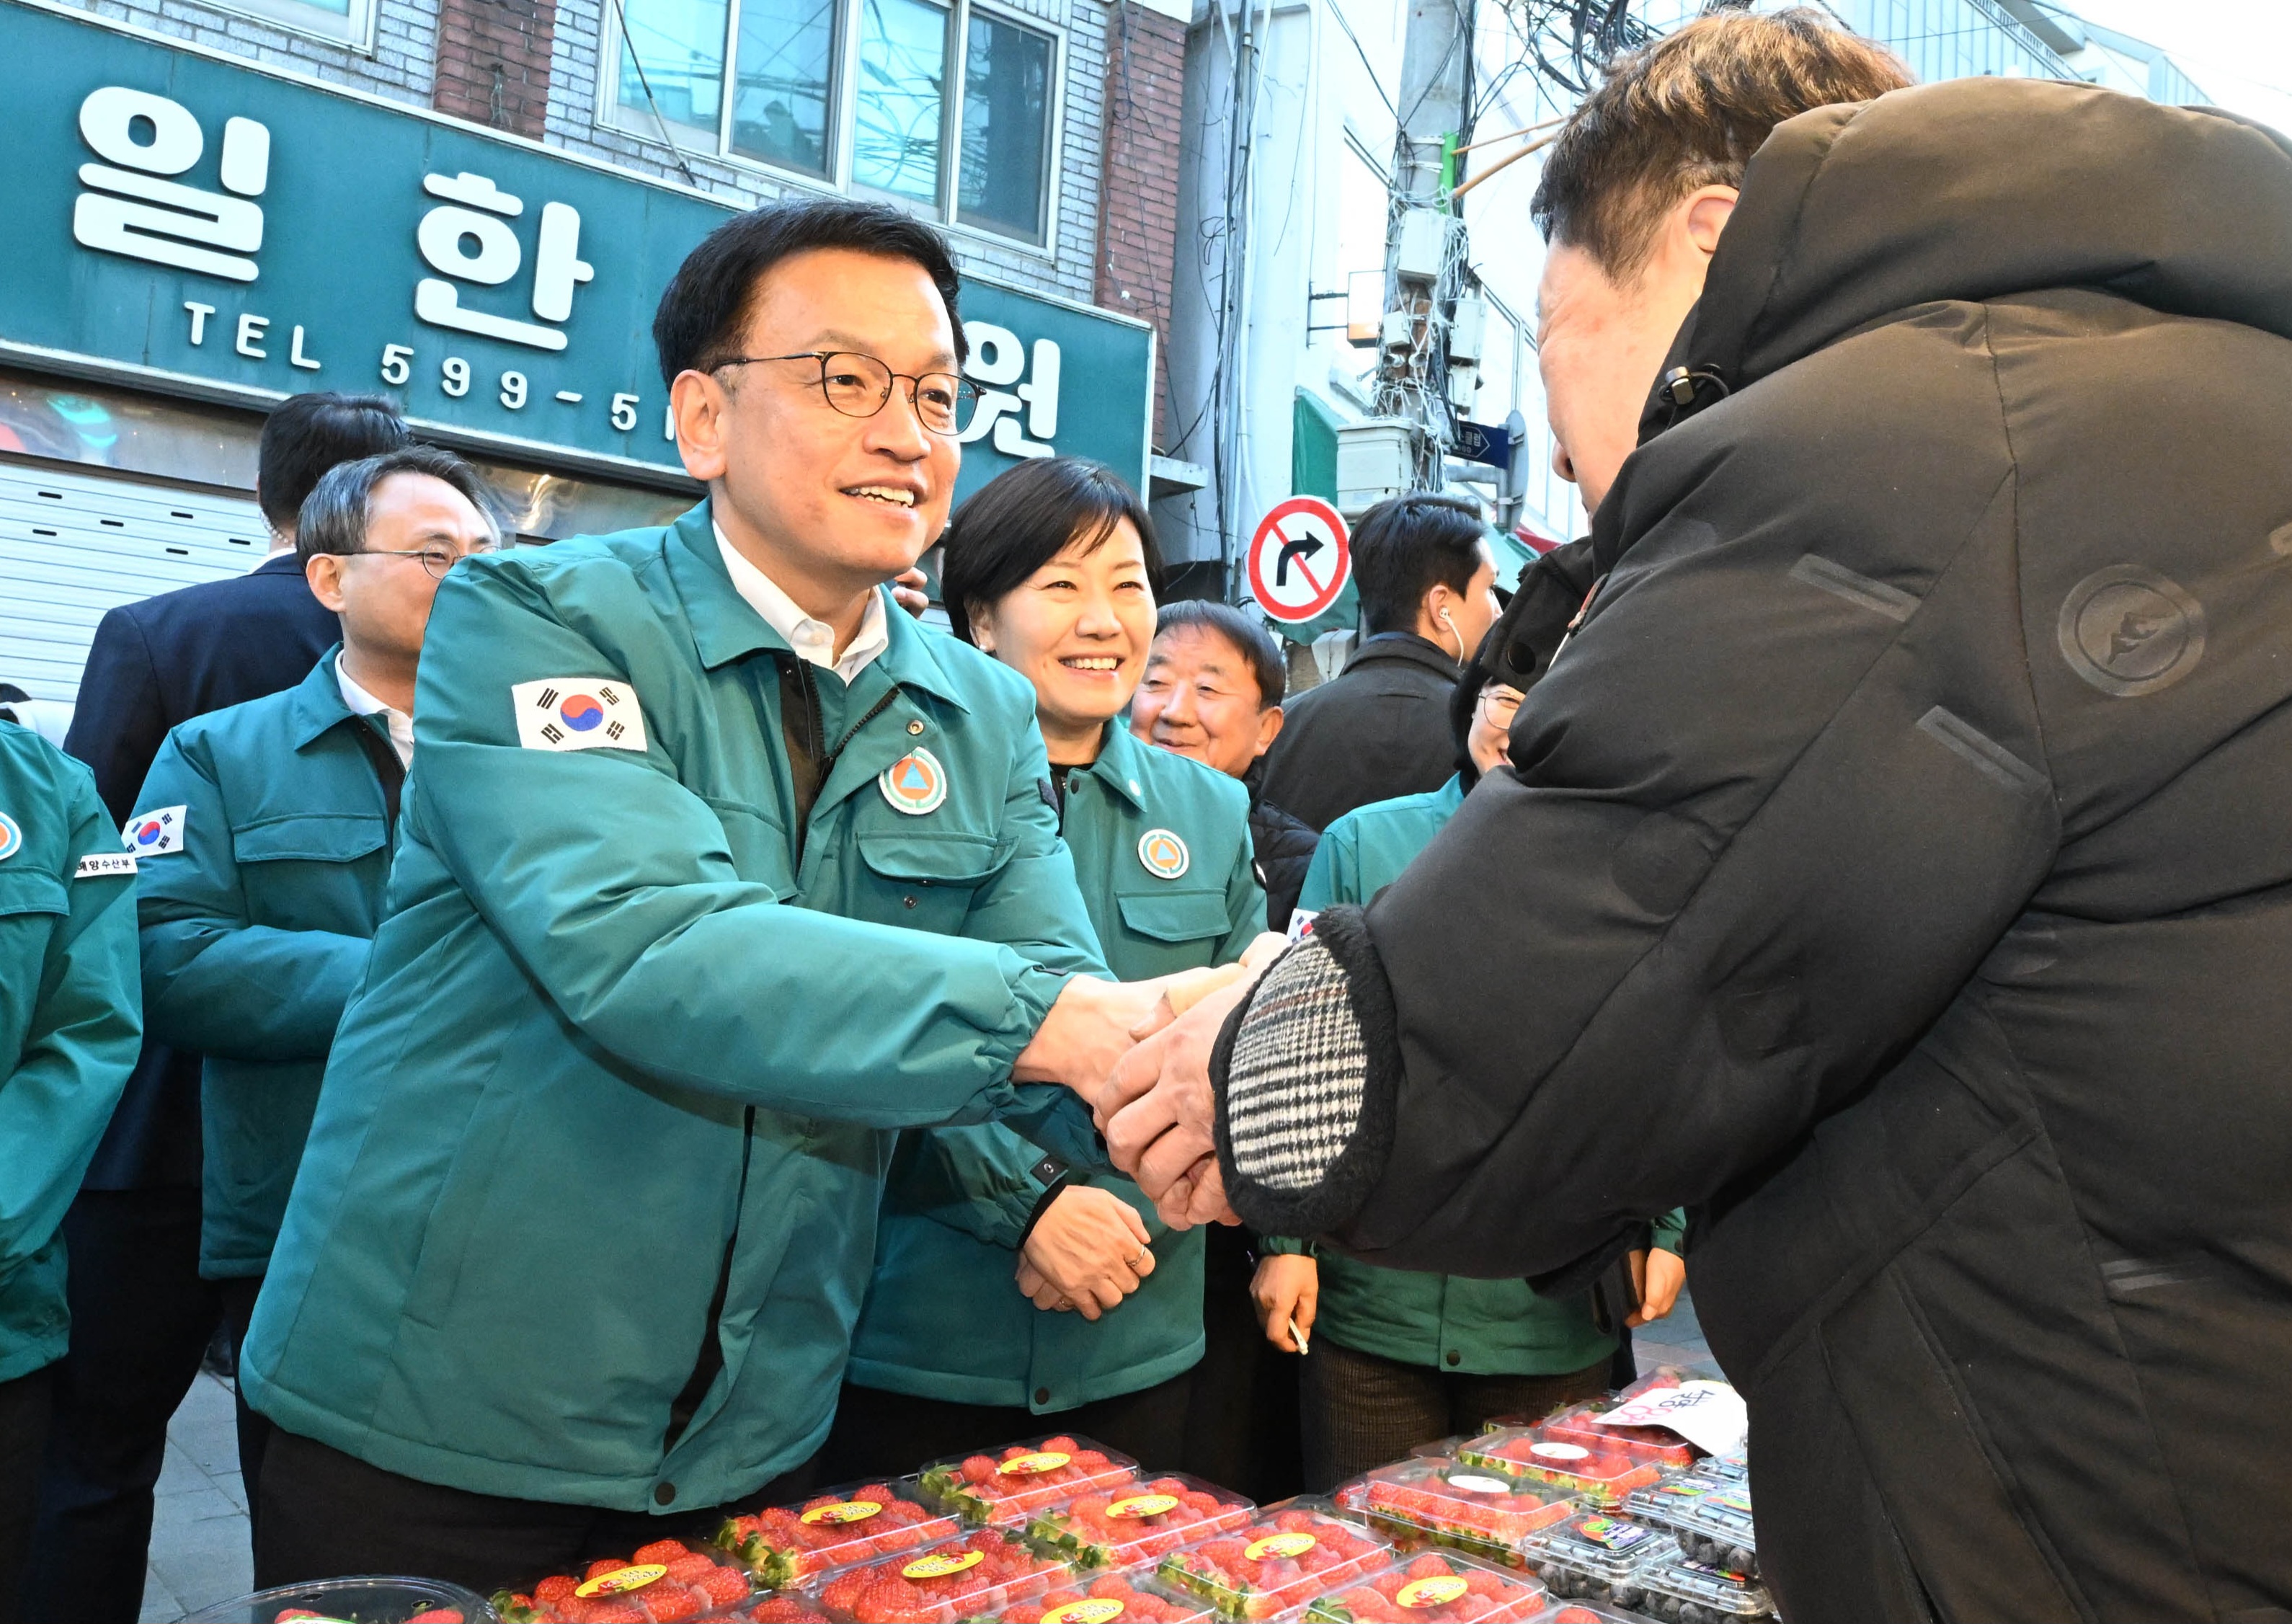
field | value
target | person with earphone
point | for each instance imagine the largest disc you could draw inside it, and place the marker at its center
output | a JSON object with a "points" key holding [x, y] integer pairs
{"points": [[1428, 583]]}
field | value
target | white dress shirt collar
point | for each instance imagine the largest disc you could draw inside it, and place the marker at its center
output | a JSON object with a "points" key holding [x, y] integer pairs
{"points": [[358, 702], [812, 640]]}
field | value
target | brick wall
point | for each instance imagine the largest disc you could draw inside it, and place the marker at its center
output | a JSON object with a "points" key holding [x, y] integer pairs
{"points": [[493, 62], [398, 63], [1138, 201]]}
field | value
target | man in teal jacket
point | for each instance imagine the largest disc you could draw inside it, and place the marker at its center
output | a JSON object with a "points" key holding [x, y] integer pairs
{"points": [[715, 870], [268, 828], [1399, 1358], [71, 1021]]}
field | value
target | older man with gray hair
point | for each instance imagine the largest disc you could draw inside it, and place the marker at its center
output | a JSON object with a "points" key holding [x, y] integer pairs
{"points": [[266, 832]]}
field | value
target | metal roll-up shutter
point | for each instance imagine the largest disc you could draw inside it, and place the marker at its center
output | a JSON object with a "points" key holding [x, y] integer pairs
{"points": [[74, 545]]}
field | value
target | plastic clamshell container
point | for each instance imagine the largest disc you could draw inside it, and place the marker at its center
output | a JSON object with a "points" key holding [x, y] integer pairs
{"points": [[1351, 1498], [1600, 1477], [1289, 1554], [1432, 1588], [1734, 1464], [1485, 1513], [1583, 1613], [668, 1578], [376, 1600], [1657, 1446], [787, 1545], [1710, 1515], [1142, 1521], [1111, 1598], [1008, 1485], [981, 1573], [1682, 1592], [1596, 1557]]}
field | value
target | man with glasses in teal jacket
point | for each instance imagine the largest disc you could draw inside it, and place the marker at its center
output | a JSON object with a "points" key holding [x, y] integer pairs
{"points": [[715, 870], [268, 827]]}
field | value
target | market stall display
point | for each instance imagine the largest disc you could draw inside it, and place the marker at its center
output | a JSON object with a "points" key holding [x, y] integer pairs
{"points": [[1141, 1521], [835, 1528], [1471, 1508], [1601, 1475], [1711, 1517], [373, 1600], [973, 1577], [660, 1583], [1433, 1589], [1288, 1555], [1021, 1479]]}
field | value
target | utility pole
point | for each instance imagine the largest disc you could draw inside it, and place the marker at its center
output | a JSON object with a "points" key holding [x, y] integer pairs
{"points": [[1424, 239]]}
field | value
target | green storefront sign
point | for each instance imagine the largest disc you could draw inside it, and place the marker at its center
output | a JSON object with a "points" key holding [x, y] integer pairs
{"points": [[217, 230]]}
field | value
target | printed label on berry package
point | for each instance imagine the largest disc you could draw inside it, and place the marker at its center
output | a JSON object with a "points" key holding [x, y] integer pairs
{"points": [[1729, 1499], [1473, 1483], [1609, 1534], [1724, 1575], [1097, 1610], [620, 1581], [1431, 1592], [1560, 1452], [1141, 1506], [1027, 1465], [841, 1511], [940, 1567], [1280, 1545]]}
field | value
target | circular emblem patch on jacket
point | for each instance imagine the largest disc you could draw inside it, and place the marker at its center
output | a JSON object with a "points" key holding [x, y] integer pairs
{"points": [[1165, 855], [12, 838], [915, 783], [2130, 630]]}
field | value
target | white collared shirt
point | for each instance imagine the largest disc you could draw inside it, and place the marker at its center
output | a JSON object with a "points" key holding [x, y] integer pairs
{"points": [[360, 702], [812, 640]]}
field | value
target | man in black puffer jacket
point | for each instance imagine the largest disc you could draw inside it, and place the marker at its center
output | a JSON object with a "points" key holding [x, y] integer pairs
{"points": [[1905, 889]]}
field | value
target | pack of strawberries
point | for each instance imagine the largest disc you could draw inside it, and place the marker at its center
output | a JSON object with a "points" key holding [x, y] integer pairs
{"points": [[665, 1582], [786, 1544]]}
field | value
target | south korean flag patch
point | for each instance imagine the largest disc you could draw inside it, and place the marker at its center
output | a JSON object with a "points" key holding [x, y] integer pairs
{"points": [[578, 713], [155, 833]]}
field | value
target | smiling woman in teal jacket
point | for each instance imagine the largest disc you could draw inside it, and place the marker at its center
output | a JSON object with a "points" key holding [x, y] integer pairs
{"points": [[1011, 1293]]}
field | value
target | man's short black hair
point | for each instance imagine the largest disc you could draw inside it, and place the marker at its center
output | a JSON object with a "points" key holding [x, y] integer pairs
{"points": [[1018, 521], [1687, 112], [704, 312], [334, 519], [1250, 639], [307, 435], [1405, 546]]}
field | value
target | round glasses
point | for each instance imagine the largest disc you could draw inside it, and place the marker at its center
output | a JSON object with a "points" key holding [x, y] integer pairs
{"points": [[437, 561], [859, 386]]}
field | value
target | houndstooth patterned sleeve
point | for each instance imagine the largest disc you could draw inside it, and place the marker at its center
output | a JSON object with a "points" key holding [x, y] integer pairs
{"points": [[1306, 1071]]}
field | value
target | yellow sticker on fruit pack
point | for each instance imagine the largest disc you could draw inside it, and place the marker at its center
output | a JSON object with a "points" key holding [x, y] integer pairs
{"points": [[1431, 1592], [940, 1567], [1026, 1466], [1097, 1610], [1281, 1545], [1141, 1506], [620, 1581], [841, 1511]]}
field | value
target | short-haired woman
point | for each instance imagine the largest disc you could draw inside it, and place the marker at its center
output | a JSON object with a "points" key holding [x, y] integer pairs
{"points": [[1012, 1295]]}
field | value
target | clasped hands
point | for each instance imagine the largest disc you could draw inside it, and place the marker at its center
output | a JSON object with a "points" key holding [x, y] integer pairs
{"points": [[1139, 1052]]}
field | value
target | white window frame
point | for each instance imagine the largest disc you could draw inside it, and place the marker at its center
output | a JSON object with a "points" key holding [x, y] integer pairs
{"points": [[640, 123], [354, 31]]}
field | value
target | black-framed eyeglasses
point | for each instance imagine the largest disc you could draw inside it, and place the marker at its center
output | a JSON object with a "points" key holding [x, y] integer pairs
{"points": [[437, 561], [859, 386]]}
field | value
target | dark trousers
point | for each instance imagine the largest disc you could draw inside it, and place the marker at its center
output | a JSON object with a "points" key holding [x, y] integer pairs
{"points": [[1361, 1410], [140, 1319], [327, 1513], [1242, 1429], [881, 1435], [253, 1431], [24, 1407]]}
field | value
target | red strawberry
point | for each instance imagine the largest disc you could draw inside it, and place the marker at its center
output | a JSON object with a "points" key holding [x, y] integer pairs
{"points": [[721, 1586], [662, 1551], [603, 1565]]}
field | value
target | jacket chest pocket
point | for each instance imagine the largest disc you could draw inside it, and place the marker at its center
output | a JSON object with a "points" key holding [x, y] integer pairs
{"points": [[927, 881], [1172, 929], [293, 869]]}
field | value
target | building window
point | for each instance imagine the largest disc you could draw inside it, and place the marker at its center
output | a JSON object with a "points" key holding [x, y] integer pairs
{"points": [[348, 21], [947, 108]]}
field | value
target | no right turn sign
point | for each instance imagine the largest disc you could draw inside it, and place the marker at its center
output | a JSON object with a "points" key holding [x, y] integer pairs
{"points": [[1299, 559]]}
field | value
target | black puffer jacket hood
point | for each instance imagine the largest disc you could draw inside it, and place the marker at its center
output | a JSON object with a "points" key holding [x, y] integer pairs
{"points": [[1980, 189]]}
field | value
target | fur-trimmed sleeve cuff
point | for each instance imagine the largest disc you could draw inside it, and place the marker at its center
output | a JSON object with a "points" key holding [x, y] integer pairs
{"points": [[1307, 1070]]}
